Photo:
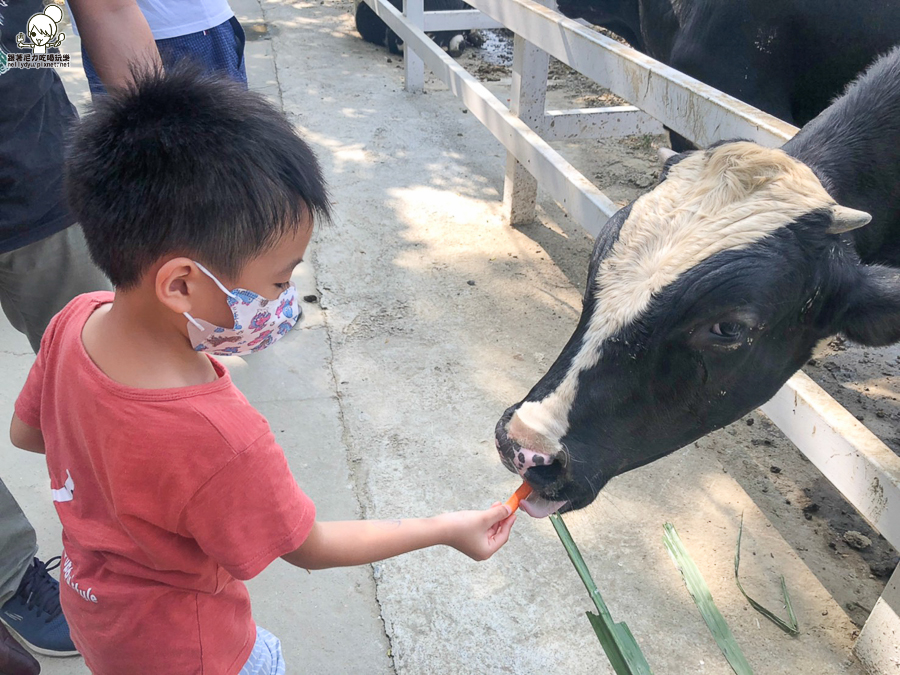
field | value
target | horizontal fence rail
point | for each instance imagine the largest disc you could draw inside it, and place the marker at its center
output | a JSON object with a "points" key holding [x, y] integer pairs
{"points": [[855, 460], [575, 193], [693, 109], [459, 19], [612, 122]]}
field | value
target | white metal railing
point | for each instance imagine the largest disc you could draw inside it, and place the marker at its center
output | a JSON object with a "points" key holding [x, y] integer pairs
{"points": [[859, 464]]}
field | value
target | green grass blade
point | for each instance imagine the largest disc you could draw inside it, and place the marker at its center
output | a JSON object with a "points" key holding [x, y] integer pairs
{"points": [[791, 626], [621, 648], [703, 599]]}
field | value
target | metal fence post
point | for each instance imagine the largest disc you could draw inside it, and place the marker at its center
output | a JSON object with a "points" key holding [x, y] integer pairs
{"points": [[878, 646], [413, 65], [527, 101]]}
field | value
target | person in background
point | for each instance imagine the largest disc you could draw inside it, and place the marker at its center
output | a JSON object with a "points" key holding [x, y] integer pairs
{"points": [[44, 263], [204, 31]]}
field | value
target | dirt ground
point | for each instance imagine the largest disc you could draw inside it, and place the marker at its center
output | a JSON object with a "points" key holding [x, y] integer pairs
{"points": [[778, 477]]}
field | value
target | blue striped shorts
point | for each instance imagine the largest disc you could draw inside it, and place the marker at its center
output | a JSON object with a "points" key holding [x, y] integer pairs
{"points": [[266, 658], [217, 50]]}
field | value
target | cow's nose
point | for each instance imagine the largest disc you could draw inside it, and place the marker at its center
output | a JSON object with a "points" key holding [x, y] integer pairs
{"points": [[542, 471], [526, 459], [524, 453]]}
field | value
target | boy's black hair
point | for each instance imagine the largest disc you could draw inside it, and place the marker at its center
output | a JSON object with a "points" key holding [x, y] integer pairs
{"points": [[188, 164]]}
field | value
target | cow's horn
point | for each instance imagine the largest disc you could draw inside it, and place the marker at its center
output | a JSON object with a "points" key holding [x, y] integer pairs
{"points": [[846, 219], [665, 154]]}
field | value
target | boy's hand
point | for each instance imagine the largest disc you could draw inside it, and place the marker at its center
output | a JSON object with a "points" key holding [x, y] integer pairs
{"points": [[479, 534]]}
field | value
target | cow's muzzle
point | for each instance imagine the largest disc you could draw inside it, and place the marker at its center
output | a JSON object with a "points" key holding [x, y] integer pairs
{"points": [[541, 470]]}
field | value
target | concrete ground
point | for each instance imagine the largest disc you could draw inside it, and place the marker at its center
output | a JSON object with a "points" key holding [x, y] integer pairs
{"points": [[434, 316]]}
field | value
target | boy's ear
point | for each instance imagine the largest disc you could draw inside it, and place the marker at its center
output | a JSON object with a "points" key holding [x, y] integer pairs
{"points": [[873, 316], [174, 283]]}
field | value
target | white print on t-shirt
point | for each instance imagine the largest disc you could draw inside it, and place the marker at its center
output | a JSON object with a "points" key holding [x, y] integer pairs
{"points": [[65, 493], [69, 576]]}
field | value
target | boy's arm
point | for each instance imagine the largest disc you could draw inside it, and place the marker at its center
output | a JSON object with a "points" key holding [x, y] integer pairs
{"points": [[25, 437], [478, 534]]}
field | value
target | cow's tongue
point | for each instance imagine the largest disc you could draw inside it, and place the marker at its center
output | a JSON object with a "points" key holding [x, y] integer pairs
{"points": [[538, 507]]}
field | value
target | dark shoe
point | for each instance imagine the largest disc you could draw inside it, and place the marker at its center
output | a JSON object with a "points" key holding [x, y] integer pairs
{"points": [[14, 660], [34, 614]]}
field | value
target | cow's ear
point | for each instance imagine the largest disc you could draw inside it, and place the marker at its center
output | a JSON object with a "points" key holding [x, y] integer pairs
{"points": [[669, 158], [873, 316]]}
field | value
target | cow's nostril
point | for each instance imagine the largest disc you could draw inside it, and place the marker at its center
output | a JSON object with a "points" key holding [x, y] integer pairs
{"points": [[545, 475]]}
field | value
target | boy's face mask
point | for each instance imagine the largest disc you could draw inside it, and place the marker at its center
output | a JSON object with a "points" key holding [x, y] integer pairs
{"points": [[258, 322]]}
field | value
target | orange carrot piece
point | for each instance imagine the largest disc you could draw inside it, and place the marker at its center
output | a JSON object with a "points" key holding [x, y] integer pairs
{"points": [[520, 494]]}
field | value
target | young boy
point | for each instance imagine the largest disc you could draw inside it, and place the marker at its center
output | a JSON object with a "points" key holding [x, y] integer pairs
{"points": [[197, 200]]}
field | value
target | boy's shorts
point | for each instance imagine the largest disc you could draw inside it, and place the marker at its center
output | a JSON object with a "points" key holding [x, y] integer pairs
{"points": [[266, 658], [219, 49]]}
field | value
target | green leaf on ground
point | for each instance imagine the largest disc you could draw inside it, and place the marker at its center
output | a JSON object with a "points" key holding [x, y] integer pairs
{"points": [[621, 648], [703, 599], [791, 627]]}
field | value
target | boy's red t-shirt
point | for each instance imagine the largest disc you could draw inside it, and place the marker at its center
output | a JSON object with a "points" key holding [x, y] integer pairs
{"points": [[167, 497]]}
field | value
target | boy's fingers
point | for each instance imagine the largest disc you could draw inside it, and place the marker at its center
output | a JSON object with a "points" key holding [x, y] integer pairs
{"points": [[497, 513], [504, 531], [495, 528], [495, 505], [504, 525]]}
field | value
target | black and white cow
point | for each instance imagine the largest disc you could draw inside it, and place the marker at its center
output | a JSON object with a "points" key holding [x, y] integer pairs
{"points": [[790, 58], [374, 30], [707, 293]]}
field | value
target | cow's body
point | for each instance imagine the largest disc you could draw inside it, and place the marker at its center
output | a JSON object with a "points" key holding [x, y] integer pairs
{"points": [[790, 58], [707, 293], [853, 148], [374, 30]]}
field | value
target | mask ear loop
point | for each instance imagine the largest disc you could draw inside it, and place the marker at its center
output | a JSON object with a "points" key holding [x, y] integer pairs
{"points": [[187, 315], [218, 283]]}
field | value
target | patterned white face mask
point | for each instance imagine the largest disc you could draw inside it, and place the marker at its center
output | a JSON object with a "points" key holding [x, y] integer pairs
{"points": [[258, 322]]}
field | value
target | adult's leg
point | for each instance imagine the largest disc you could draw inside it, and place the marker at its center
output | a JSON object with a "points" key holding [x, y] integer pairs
{"points": [[18, 544], [38, 280]]}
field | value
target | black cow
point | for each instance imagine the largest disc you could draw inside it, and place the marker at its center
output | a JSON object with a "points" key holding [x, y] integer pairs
{"points": [[789, 58], [374, 30], [707, 293]]}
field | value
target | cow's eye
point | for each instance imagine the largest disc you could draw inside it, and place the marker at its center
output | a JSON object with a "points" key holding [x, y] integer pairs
{"points": [[728, 330]]}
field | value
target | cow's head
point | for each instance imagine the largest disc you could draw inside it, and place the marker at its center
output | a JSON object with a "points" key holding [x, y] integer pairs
{"points": [[704, 296], [620, 16]]}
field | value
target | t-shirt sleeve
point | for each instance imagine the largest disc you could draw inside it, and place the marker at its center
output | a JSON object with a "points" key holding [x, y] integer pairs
{"points": [[28, 404], [251, 511]]}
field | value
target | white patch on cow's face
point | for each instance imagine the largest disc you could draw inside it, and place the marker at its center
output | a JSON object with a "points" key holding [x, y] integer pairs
{"points": [[722, 199]]}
